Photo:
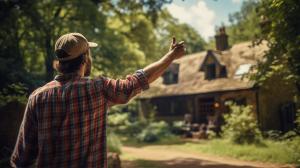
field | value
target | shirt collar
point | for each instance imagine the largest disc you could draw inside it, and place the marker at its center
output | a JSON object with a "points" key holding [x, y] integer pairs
{"points": [[67, 77]]}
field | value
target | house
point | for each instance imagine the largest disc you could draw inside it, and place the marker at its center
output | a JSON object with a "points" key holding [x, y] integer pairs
{"points": [[200, 84]]}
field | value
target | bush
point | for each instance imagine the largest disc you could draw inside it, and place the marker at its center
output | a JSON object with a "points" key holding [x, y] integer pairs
{"points": [[118, 119], [13, 93], [294, 147], [132, 129], [177, 127], [240, 125], [211, 134], [292, 140], [154, 132], [113, 142], [273, 135]]}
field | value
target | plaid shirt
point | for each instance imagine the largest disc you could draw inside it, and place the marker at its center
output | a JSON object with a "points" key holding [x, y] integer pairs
{"points": [[64, 123]]}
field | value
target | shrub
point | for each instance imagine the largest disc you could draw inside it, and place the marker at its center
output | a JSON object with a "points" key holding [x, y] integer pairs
{"points": [[13, 93], [273, 135], [294, 146], [154, 132], [177, 127], [240, 125], [292, 139], [132, 129], [113, 142], [118, 119], [211, 134]]}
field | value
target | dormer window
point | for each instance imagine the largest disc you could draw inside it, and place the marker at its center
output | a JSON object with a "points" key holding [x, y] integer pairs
{"points": [[171, 74], [210, 72], [213, 67], [223, 72]]}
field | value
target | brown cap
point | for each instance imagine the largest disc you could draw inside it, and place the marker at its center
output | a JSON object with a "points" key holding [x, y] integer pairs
{"points": [[72, 45]]}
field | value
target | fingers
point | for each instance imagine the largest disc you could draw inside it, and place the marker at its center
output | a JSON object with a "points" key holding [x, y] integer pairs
{"points": [[172, 43], [180, 44], [177, 46], [173, 40]]}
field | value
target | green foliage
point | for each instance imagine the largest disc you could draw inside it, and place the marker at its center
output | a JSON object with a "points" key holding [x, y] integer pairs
{"points": [[167, 27], [154, 131], [241, 125], [294, 148], [271, 151], [113, 143], [118, 119], [124, 120], [297, 122], [132, 129], [13, 93], [122, 124], [129, 35], [280, 28], [244, 24], [176, 127], [211, 134], [272, 135], [143, 131]]}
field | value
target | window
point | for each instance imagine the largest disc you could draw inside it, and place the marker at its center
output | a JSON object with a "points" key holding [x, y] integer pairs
{"points": [[241, 101], [205, 108], [242, 69], [238, 101], [170, 78], [210, 72], [223, 73], [171, 74]]}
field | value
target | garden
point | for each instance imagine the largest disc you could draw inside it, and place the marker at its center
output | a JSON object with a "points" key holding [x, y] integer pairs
{"points": [[240, 139]]}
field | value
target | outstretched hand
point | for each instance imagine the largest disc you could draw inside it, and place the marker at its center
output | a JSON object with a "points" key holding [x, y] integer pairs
{"points": [[156, 69], [176, 50]]}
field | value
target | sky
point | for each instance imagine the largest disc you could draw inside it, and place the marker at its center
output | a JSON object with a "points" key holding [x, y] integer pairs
{"points": [[204, 15]]}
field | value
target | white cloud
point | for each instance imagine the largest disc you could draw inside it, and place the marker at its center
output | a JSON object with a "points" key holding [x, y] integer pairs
{"points": [[198, 16], [236, 1]]}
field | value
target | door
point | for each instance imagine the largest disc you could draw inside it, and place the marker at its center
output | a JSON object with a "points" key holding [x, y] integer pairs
{"points": [[288, 116], [205, 109]]}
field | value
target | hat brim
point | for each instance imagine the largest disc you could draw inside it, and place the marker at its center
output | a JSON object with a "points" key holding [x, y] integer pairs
{"points": [[92, 44]]}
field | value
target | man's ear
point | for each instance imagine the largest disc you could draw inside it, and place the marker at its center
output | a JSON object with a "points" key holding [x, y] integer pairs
{"points": [[55, 64]]}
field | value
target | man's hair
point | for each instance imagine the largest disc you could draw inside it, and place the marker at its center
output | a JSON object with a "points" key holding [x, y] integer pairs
{"points": [[70, 66]]}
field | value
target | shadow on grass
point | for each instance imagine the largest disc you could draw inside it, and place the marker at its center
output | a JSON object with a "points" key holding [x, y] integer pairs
{"points": [[133, 142], [178, 163]]}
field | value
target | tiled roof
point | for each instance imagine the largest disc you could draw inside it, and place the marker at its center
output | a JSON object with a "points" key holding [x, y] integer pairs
{"points": [[191, 80]]}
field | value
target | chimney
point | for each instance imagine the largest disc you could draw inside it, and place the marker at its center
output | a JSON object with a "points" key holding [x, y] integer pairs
{"points": [[221, 40]]}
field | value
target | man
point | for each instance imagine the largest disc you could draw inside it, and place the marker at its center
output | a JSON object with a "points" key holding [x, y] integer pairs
{"points": [[64, 123]]}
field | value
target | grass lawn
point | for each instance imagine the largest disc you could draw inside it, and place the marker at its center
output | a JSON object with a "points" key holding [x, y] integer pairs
{"points": [[139, 162], [270, 151]]}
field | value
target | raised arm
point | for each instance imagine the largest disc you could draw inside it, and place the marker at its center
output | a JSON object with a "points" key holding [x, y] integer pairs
{"points": [[121, 91], [156, 69]]}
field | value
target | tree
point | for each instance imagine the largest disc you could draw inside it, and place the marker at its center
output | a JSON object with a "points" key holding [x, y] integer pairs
{"points": [[168, 26], [29, 30], [281, 29], [245, 23]]}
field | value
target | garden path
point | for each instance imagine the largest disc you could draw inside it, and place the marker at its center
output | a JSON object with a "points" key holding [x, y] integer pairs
{"points": [[162, 157]]}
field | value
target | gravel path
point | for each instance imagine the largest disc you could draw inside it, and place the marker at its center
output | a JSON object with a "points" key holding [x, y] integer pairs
{"points": [[170, 158]]}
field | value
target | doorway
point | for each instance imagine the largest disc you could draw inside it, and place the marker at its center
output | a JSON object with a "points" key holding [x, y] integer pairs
{"points": [[205, 108]]}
